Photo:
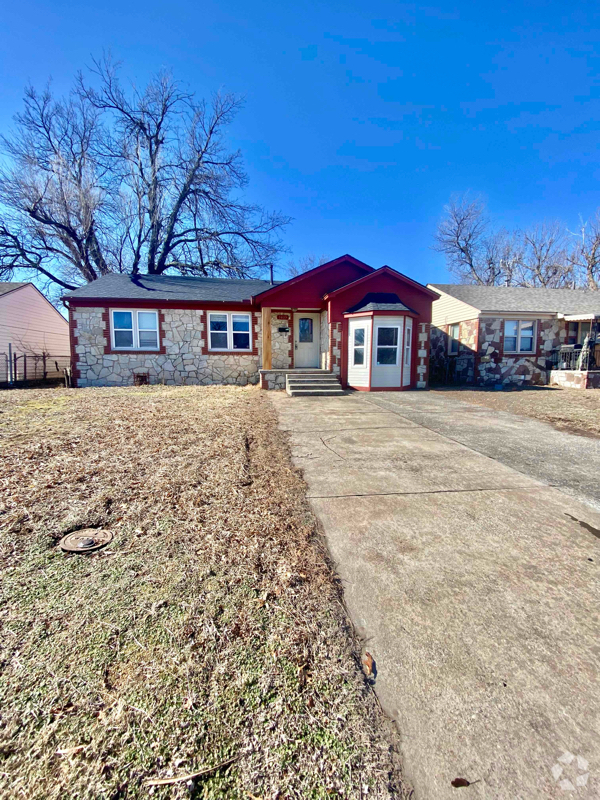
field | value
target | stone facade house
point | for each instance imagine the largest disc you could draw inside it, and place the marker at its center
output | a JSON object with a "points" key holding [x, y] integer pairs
{"points": [[502, 335], [365, 328]]}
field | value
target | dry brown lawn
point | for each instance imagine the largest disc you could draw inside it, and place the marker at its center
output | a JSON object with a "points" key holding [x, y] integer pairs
{"points": [[210, 636], [574, 410]]}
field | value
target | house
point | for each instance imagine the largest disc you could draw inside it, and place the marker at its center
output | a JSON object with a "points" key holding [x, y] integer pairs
{"points": [[499, 334], [29, 322], [369, 327]]}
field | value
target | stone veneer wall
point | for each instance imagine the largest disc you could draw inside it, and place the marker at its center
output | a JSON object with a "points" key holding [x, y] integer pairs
{"points": [[183, 356], [282, 343], [575, 379], [463, 366], [324, 342], [335, 347], [495, 367], [438, 342]]}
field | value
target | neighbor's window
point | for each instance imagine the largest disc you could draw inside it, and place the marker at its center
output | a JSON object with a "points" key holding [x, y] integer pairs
{"points": [[359, 347], [135, 330], [387, 346], [454, 338], [519, 336], [578, 331], [229, 331]]}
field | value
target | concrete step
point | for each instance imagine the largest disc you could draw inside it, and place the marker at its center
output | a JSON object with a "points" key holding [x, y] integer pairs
{"points": [[313, 379], [312, 384], [330, 391]]}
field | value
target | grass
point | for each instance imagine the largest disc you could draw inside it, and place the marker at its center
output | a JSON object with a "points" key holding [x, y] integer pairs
{"points": [[210, 632], [573, 410]]}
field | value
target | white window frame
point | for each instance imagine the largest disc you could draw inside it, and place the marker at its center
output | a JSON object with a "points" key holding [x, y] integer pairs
{"points": [[520, 322], [454, 339], [136, 330], [230, 315], [362, 347], [377, 346]]}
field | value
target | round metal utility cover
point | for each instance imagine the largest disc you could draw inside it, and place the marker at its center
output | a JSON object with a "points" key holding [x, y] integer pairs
{"points": [[85, 541]]}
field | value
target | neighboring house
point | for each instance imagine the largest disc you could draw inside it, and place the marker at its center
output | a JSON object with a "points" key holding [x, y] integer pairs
{"points": [[368, 326], [30, 323], [498, 334]]}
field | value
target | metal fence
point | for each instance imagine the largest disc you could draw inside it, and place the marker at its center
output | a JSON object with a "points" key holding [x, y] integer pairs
{"points": [[17, 369], [576, 357]]}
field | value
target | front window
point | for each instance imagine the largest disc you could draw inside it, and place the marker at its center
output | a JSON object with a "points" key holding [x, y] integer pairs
{"points": [[519, 336], [387, 346], [454, 338], [228, 331], [359, 347], [135, 330], [578, 331]]}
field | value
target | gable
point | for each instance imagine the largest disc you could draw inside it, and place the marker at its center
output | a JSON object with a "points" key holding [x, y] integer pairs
{"points": [[411, 294], [307, 290]]}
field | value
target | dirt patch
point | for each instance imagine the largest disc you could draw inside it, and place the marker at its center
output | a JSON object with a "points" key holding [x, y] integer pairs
{"points": [[209, 636], [572, 410]]}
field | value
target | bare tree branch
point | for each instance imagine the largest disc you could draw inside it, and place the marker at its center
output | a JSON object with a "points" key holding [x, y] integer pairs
{"points": [[136, 180]]}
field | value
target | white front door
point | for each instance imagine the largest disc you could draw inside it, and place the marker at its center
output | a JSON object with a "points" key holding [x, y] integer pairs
{"points": [[306, 339], [386, 365]]}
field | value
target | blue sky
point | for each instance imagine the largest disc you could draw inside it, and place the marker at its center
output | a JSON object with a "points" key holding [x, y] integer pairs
{"points": [[361, 119]]}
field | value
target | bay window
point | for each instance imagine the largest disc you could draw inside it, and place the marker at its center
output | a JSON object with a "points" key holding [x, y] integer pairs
{"points": [[519, 336], [134, 330], [387, 345], [358, 350], [228, 331]]}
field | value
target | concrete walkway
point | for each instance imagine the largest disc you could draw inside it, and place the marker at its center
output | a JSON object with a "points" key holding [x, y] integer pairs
{"points": [[474, 586]]}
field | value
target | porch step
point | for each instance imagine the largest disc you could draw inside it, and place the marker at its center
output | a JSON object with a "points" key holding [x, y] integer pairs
{"points": [[311, 385], [316, 392]]}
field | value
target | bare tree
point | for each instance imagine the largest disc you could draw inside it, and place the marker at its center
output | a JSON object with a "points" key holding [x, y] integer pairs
{"points": [[544, 258], [474, 253], [584, 259], [304, 264], [137, 181]]}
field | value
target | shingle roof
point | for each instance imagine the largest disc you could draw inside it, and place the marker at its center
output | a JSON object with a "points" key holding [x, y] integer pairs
{"points": [[9, 287], [170, 287], [379, 301], [517, 298]]}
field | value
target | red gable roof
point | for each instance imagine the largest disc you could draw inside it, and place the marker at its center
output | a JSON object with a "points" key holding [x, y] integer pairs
{"points": [[307, 290], [412, 294], [375, 274]]}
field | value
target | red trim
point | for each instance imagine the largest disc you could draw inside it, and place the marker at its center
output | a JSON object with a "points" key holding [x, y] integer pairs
{"points": [[259, 298], [204, 340], [382, 314], [371, 355], [254, 315], [385, 270], [345, 355], [108, 350], [164, 305]]}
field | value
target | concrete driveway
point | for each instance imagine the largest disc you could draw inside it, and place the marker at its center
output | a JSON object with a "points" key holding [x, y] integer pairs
{"points": [[474, 586]]}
